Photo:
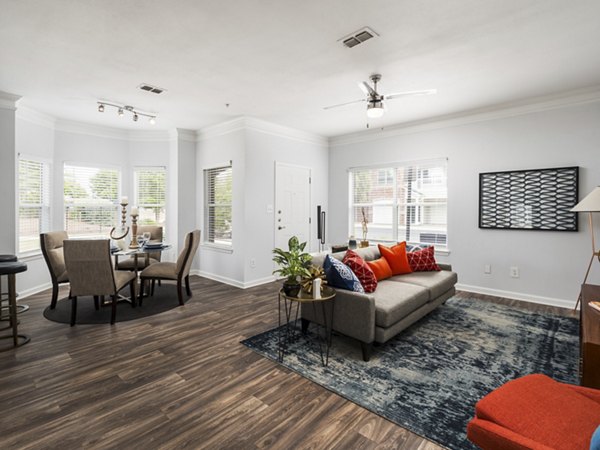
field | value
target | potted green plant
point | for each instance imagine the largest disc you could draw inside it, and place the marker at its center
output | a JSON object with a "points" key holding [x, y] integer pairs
{"points": [[293, 264]]}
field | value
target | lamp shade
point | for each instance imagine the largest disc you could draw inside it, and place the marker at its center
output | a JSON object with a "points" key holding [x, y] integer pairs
{"points": [[590, 203]]}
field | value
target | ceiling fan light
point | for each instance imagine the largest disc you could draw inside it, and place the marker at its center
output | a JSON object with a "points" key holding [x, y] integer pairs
{"points": [[375, 110]]}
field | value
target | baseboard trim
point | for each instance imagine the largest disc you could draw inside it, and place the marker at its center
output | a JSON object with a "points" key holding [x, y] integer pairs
{"points": [[230, 281], [34, 290], [562, 303]]}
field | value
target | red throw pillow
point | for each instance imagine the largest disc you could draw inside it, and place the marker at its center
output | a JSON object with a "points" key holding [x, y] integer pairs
{"points": [[380, 268], [396, 258], [362, 270], [423, 260]]}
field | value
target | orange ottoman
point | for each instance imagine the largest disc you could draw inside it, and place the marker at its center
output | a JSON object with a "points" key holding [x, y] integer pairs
{"points": [[536, 412]]}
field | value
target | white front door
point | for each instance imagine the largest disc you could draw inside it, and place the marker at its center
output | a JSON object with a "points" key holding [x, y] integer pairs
{"points": [[292, 204]]}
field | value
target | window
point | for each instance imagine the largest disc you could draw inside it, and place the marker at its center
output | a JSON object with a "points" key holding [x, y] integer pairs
{"points": [[150, 195], [218, 206], [91, 196], [33, 203], [402, 202]]}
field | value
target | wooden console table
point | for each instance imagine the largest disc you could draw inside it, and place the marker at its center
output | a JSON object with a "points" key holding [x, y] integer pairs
{"points": [[590, 337]]}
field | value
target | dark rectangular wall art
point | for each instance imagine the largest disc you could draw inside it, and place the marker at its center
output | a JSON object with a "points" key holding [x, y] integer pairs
{"points": [[529, 199]]}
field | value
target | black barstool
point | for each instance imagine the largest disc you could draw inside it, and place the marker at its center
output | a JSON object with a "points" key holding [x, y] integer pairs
{"points": [[11, 268], [4, 295]]}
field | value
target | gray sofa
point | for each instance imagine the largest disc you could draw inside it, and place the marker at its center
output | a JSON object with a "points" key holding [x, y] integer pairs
{"points": [[397, 303]]}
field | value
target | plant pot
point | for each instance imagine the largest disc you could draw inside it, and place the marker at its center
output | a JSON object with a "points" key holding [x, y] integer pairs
{"points": [[364, 244], [292, 290]]}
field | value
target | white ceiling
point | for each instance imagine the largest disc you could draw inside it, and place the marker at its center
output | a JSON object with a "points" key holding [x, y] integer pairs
{"points": [[279, 60]]}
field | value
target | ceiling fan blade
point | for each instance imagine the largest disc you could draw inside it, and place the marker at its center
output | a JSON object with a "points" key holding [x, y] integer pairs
{"points": [[368, 90], [345, 104], [406, 93]]}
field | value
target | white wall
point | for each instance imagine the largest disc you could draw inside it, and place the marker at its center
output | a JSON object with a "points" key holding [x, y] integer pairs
{"points": [[254, 146], [7, 174], [552, 264]]}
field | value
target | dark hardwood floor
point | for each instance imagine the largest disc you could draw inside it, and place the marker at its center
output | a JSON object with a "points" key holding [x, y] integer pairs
{"points": [[180, 379]]}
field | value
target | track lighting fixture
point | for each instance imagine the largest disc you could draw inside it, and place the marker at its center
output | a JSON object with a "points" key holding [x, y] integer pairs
{"points": [[126, 108]]}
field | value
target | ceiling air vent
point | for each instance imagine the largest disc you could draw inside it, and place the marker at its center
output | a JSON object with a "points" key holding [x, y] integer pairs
{"points": [[358, 37], [150, 88]]}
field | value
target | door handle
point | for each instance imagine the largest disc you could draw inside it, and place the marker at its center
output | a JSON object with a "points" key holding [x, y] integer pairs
{"points": [[280, 227]]}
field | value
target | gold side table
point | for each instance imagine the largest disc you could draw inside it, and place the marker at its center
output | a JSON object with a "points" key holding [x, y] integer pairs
{"points": [[290, 329]]}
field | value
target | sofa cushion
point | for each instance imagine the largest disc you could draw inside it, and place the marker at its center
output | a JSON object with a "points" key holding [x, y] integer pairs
{"points": [[362, 271], [339, 275], [396, 258], [394, 301], [380, 268], [436, 283], [423, 260]]}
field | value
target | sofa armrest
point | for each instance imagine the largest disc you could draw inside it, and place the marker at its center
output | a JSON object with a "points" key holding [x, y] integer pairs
{"points": [[592, 394], [491, 436], [354, 314], [445, 266]]}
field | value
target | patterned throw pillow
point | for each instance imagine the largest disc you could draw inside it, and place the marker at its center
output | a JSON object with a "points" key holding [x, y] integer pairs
{"points": [[381, 269], [423, 260], [396, 258], [340, 276], [362, 270], [416, 247]]}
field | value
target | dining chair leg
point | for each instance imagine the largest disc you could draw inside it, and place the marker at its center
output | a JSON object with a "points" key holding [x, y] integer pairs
{"points": [[152, 288], [97, 302], [54, 295], [113, 315], [132, 291], [179, 292], [187, 286], [73, 310], [141, 297]]}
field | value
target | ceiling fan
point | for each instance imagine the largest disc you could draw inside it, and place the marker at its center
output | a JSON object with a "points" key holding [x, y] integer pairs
{"points": [[375, 105]]}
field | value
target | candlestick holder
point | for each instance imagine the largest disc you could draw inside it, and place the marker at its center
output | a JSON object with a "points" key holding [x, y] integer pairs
{"points": [[120, 232], [134, 243]]}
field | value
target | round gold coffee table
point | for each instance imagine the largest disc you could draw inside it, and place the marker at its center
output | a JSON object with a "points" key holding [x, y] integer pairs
{"points": [[290, 328]]}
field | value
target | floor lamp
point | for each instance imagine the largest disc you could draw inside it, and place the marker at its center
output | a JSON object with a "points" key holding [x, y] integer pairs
{"points": [[590, 204]]}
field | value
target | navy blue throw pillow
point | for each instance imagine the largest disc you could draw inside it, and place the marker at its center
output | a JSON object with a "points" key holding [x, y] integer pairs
{"points": [[339, 275]]}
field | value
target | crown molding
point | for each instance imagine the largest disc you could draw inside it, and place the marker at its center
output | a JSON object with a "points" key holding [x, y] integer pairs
{"points": [[71, 126], [187, 135], [221, 129], [273, 129], [149, 135], [500, 111], [8, 100], [261, 126], [36, 117]]}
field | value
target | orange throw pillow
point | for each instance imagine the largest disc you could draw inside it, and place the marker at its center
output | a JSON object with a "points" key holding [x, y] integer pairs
{"points": [[380, 268], [396, 258]]}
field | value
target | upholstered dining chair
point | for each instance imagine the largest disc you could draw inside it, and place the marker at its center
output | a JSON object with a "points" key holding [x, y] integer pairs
{"points": [[179, 271], [156, 234], [52, 249], [91, 272]]}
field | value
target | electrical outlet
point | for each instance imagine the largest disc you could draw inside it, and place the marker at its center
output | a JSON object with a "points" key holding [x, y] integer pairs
{"points": [[514, 272], [487, 268], [252, 263]]}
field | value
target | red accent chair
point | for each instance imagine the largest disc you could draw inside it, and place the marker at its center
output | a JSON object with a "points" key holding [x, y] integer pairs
{"points": [[537, 413]]}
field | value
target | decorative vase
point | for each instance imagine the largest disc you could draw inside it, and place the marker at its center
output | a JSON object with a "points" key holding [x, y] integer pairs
{"points": [[291, 290]]}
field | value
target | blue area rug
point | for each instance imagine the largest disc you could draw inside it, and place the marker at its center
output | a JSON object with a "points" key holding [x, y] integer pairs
{"points": [[428, 378]]}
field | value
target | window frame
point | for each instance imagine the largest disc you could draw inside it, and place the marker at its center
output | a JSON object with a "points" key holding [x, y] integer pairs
{"points": [[206, 242], [116, 203], [419, 206], [136, 202], [45, 205]]}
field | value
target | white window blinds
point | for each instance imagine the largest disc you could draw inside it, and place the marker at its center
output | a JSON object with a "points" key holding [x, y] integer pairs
{"points": [[218, 206], [150, 195], [91, 197], [401, 202], [34, 203]]}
